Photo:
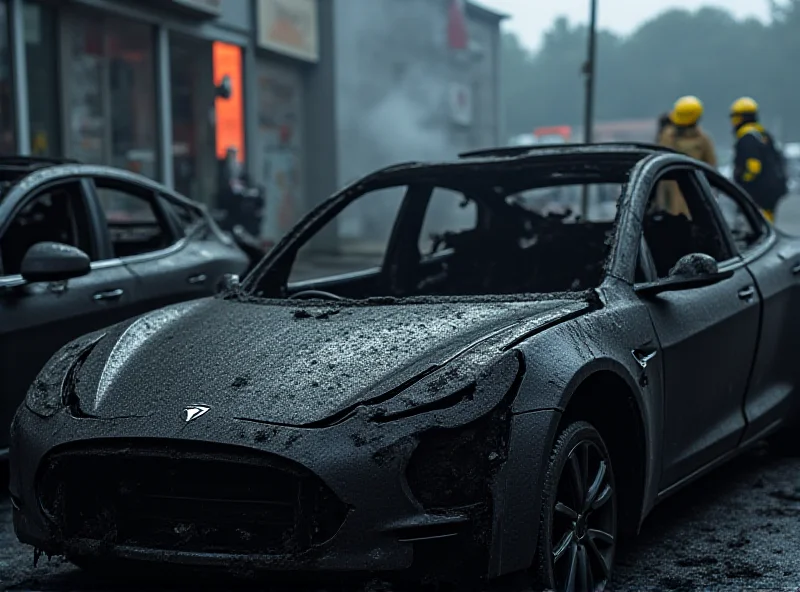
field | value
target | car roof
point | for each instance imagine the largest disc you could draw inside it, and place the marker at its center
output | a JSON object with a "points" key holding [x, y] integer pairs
{"points": [[15, 167], [31, 167], [27, 164], [552, 165], [634, 149]]}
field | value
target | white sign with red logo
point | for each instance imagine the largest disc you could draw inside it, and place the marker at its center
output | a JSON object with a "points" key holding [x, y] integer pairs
{"points": [[461, 103]]}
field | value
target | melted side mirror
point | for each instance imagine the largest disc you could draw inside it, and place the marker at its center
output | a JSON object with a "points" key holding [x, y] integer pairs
{"points": [[694, 265], [696, 270], [54, 262]]}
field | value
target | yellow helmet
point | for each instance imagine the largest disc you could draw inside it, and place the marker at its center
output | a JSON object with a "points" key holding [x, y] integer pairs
{"points": [[744, 106], [686, 111]]}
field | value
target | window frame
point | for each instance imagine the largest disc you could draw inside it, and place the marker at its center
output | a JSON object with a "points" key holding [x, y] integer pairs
{"points": [[749, 209], [175, 234], [95, 241], [695, 178]]}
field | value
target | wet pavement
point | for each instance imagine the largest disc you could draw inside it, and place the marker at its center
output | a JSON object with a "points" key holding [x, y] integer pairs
{"points": [[736, 529]]}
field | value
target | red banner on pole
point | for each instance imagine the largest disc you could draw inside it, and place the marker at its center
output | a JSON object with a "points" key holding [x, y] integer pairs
{"points": [[457, 33]]}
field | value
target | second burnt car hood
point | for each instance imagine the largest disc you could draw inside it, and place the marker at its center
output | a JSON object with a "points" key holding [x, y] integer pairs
{"points": [[276, 363]]}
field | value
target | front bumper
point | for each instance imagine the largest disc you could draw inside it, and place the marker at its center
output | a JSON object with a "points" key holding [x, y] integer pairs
{"points": [[367, 518]]}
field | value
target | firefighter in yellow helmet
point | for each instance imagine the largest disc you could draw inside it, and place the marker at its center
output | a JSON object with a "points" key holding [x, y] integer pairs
{"points": [[685, 135], [758, 164]]}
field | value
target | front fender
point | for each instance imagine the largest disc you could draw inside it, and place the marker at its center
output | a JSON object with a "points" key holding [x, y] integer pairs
{"points": [[561, 359], [519, 486]]}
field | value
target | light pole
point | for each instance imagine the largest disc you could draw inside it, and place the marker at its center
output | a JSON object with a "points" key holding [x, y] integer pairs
{"points": [[588, 113]]}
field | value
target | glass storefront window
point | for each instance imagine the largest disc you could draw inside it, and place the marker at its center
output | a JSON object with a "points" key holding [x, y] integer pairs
{"points": [[111, 92], [85, 75], [193, 133], [42, 70], [132, 85], [7, 136], [279, 161]]}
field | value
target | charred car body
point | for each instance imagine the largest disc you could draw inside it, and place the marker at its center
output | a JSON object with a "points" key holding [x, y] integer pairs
{"points": [[522, 392], [84, 247]]}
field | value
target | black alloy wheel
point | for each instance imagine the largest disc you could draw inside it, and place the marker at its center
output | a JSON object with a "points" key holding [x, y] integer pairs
{"points": [[578, 533]]}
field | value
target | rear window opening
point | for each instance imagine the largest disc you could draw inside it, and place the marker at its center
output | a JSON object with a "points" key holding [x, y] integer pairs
{"points": [[134, 224]]}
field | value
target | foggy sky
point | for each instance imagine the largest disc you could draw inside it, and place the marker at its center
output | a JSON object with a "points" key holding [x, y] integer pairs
{"points": [[530, 18]]}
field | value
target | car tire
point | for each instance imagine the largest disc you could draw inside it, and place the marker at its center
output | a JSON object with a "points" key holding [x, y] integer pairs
{"points": [[578, 526]]}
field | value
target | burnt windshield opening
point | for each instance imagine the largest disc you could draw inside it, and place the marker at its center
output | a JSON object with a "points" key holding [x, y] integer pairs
{"points": [[462, 231]]}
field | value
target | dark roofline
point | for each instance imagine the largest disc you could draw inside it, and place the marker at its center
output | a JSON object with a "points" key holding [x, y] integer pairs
{"points": [[518, 151], [405, 172], [481, 12]]}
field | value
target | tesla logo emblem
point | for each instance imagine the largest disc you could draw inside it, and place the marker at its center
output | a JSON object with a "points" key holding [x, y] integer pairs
{"points": [[195, 411]]}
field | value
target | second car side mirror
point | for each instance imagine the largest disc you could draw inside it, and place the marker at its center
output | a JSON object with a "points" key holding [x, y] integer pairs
{"points": [[54, 262]]}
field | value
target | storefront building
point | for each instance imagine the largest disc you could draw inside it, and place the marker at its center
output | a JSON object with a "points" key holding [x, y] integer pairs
{"points": [[306, 95], [288, 53], [132, 85]]}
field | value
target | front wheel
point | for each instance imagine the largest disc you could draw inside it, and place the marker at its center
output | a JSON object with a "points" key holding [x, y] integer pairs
{"points": [[578, 528]]}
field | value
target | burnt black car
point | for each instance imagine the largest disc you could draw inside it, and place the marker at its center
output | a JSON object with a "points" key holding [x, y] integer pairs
{"points": [[505, 392], [83, 247]]}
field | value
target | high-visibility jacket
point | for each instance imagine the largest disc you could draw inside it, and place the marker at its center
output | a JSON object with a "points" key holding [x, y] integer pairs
{"points": [[693, 142], [758, 166]]}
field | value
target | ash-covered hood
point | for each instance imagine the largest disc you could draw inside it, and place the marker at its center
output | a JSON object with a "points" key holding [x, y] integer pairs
{"points": [[291, 365]]}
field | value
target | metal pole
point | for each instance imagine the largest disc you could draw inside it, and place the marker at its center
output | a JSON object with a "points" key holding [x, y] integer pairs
{"points": [[20, 74], [588, 114], [164, 94]]}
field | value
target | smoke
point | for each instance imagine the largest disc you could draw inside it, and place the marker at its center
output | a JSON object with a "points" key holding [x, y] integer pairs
{"points": [[406, 123], [392, 101]]}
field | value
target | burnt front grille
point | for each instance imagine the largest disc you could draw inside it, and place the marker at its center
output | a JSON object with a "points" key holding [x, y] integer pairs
{"points": [[188, 497]]}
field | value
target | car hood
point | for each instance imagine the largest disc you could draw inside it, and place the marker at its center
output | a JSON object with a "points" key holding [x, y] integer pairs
{"points": [[289, 365]]}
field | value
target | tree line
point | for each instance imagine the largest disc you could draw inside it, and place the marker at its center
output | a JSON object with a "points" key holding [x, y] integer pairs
{"points": [[707, 53]]}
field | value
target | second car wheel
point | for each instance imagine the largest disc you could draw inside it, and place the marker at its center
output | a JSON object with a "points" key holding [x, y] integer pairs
{"points": [[578, 527]]}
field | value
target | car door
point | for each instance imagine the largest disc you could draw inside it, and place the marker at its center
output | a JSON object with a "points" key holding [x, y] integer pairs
{"points": [[775, 264], [707, 335], [168, 267], [36, 319]]}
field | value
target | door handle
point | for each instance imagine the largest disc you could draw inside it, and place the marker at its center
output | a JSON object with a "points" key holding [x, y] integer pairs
{"points": [[747, 293], [197, 279], [642, 357], [109, 295], [796, 269]]}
